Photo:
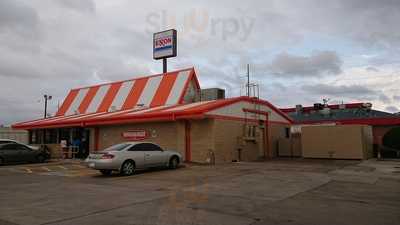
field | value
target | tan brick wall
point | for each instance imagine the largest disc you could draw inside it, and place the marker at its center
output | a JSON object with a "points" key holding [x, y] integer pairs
{"points": [[222, 137], [92, 139], [368, 141], [202, 140], [180, 137], [341, 141], [54, 149], [277, 132], [166, 134], [228, 138]]}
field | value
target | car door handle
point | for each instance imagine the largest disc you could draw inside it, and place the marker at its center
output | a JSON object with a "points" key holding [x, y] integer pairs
{"points": [[147, 154]]}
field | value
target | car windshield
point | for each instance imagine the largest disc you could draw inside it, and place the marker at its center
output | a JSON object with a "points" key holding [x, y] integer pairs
{"points": [[5, 142], [117, 147]]}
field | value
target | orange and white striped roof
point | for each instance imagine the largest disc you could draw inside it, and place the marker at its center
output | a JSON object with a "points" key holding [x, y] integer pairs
{"points": [[223, 108], [150, 91]]}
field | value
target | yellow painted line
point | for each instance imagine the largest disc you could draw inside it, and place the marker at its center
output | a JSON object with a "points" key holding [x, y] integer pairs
{"points": [[45, 168], [121, 177], [79, 166], [27, 170], [62, 167]]}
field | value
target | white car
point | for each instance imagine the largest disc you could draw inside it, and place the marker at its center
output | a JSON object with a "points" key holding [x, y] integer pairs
{"points": [[128, 156]]}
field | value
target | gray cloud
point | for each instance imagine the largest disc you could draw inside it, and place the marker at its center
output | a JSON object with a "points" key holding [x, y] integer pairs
{"points": [[317, 64], [384, 98], [16, 14], [79, 5], [392, 109], [367, 22], [51, 46], [372, 69], [346, 92], [339, 91]]}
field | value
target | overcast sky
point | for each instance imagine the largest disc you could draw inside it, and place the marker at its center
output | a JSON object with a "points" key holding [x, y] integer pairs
{"points": [[300, 51]]}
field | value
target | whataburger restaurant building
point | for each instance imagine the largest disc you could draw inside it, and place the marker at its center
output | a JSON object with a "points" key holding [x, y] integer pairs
{"points": [[165, 109]]}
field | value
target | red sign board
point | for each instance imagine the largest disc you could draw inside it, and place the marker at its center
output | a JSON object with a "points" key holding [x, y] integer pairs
{"points": [[135, 135]]}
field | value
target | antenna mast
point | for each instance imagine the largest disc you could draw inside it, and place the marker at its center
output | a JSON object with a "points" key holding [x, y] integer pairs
{"points": [[248, 80]]}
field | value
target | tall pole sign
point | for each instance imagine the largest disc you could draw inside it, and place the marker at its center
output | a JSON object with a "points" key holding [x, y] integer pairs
{"points": [[165, 46]]}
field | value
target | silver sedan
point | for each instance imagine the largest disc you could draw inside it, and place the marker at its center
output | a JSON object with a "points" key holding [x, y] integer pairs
{"points": [[128, 156]]}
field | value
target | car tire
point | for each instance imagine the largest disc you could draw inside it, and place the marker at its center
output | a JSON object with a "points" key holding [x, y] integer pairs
{"points": [[106, 172], [128, 168], [1, 161], [173, 162], [40, 159]]}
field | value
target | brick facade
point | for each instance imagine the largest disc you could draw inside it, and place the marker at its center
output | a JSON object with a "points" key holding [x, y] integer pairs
{"points": [[210, 139], [165, 134]]}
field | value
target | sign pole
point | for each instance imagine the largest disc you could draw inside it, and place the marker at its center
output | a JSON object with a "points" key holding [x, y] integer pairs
{"points": [[165, 46], [164, 65]]}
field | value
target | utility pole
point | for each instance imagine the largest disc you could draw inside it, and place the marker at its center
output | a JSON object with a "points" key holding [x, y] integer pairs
{"points": [[46, 97], [248, 80]]}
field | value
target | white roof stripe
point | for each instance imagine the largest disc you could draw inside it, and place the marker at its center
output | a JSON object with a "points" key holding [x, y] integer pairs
{"points": [[122, 94], [147, 110], [191, 105], [97, 99], [114, 113], [149, 90], [77, 101], [64, 117], [84, 116], [177, 89], [43, 120]]}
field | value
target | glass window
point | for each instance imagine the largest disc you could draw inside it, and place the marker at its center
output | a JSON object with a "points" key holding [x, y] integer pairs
{"points": [[138, 147], [36, 136], [145, 147], [153, 147], [21, 147], [33, 137], [51, 136], [117, 147], [10, 146], [65, 135]]}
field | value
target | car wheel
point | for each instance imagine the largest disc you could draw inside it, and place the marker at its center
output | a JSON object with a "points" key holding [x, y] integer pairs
{"points": [[128, 168], [40, 159], [106, 172], [173, 162]]}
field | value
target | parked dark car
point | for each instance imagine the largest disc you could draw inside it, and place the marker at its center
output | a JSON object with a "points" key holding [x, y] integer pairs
{"points": [[14, 153], [6, 141]]}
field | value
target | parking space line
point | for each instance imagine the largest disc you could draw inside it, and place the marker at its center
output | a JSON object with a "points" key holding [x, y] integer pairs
{"points": [[79, 166], [45, 168], [62, 167], [27, 169]]}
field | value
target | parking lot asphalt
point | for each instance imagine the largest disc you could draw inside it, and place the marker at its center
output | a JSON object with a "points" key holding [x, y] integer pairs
{"points": [[279, 191]]}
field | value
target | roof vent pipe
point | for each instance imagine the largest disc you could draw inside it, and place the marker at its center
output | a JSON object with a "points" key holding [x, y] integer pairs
{"points": [[299, 109]]}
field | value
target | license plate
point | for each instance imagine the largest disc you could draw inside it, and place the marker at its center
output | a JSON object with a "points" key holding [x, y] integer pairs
{"points": [[91, 165]]}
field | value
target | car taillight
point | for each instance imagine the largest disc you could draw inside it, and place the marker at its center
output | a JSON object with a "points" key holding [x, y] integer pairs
{"points": [[107, 156]]}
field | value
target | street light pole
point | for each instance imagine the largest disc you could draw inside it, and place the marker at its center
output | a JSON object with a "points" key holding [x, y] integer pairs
{"points": [[46, 97]]}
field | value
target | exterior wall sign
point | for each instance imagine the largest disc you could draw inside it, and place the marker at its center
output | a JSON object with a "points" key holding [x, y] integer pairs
{"points": [[135, 135], [164, 44]]}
